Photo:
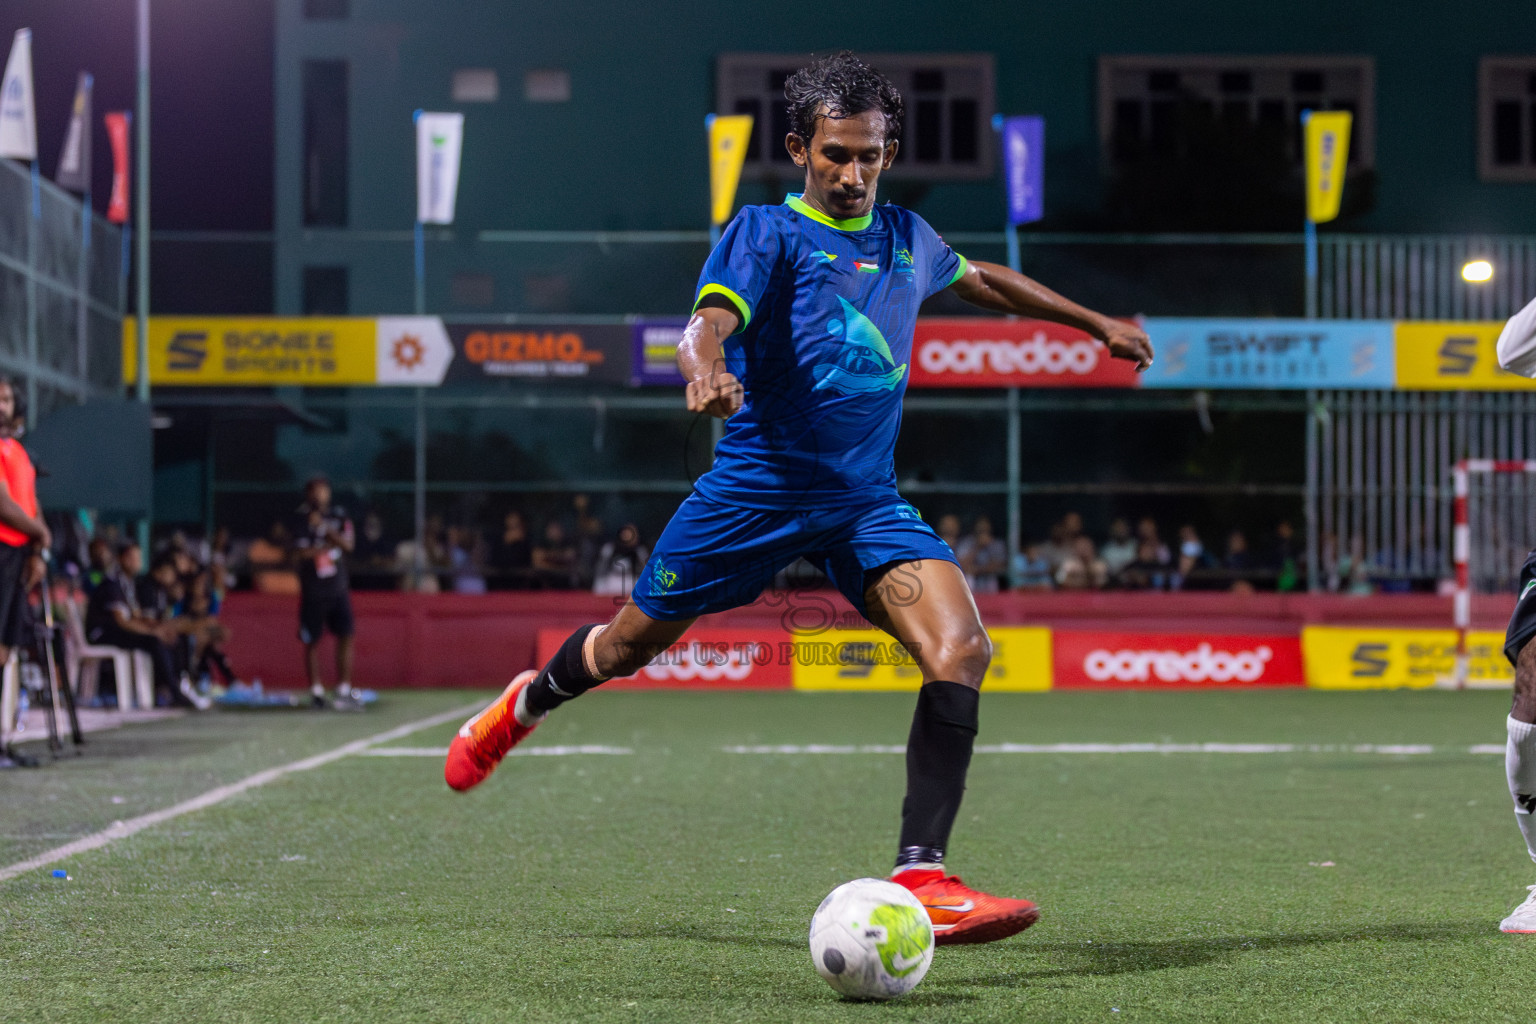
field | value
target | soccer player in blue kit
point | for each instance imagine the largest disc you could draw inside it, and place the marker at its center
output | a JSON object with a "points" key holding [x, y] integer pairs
{"points": [[800, 340]]}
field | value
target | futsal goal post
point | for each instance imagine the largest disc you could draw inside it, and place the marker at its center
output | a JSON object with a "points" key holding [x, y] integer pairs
{"points": [[1505, 521]]}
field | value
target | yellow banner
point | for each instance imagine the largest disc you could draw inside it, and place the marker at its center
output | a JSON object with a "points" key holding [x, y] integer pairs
{"points": [[1340, 658], [255, 351], [1327, 150], [728, 135], [1453, 354], [867, 659]]}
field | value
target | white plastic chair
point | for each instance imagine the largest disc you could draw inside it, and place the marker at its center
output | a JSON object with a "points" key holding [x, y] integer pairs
{"points": [[83, 660]]}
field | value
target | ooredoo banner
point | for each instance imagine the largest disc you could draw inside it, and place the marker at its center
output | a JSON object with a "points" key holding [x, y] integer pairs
{"points": [[705, 659], [543, 351], [1154, 660], [996, 353]]}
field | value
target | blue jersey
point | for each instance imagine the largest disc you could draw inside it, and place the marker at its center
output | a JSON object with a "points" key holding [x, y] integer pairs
{"points": [[828, 308]]}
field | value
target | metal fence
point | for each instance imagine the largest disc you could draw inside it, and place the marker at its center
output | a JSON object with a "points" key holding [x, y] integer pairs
{"points": [[61, 293], [1418, 277], [1380, 488]]}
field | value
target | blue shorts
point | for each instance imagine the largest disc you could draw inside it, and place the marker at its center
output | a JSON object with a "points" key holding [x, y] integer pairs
{"points": [[712, 556]]}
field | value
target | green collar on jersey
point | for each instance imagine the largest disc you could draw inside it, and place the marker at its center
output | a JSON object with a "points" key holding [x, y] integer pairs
{"points": [[799, 205]]}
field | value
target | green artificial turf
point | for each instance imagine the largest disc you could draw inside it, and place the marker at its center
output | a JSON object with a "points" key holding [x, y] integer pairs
{"points": [[676, 883]]}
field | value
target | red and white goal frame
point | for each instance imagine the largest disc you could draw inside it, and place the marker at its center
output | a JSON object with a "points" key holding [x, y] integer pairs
{"points": [[1461, 547]]}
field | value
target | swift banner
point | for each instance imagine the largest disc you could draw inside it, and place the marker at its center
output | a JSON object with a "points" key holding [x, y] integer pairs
{"points": [[867, 659], [995, 353], [728, 137], [1453, 355], [545, 351], [1327, 146], [1157, 660], [1340, 658], [1270, 354], [299, 351], [705, 659], [1024, 168]]}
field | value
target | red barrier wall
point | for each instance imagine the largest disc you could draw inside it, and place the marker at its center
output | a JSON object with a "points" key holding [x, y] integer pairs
{"points": [[483, 640]]}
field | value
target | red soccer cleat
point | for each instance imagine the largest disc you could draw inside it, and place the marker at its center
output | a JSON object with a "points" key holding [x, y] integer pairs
{"points": [[485, 739], [960, 914]]}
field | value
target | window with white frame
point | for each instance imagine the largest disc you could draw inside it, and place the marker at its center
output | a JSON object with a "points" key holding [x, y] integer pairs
{"points": [[1506, 149], [1151, 105], [948, 98]]}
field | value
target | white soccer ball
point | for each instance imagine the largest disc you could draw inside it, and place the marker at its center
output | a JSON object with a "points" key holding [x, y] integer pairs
{"points": [[871, 939]]}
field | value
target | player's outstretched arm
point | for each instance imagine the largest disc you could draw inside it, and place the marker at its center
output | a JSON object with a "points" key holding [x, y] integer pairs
{"points": [[711, 387], [1517, 342], [995, 287]]}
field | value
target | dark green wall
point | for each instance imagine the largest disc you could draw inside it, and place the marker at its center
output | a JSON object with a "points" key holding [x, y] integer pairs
{"points": [[627, 153]]}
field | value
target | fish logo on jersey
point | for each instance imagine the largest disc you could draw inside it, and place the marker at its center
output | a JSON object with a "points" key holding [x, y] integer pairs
{"points": [[866, 364]]}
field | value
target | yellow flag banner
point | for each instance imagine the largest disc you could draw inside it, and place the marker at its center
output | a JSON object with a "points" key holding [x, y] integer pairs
{"points": [[1327, 151], [728, 135]]}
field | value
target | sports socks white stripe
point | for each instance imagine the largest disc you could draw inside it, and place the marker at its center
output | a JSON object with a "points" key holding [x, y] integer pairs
{"points": [[1520, 767]]}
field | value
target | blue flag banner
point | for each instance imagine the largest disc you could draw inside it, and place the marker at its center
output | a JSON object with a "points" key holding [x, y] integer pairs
{"points": [[1271, 354], [1024, 167]]}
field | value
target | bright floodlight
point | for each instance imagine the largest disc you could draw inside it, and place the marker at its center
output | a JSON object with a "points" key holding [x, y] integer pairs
{"points": [[1477, 271]]}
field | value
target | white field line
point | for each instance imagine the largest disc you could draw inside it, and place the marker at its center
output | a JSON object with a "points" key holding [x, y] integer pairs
{"points": [[123, 829], [1139, 748], [519, 752]]}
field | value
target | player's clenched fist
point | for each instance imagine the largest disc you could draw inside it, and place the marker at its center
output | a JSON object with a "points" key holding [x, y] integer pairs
{"points": [[717, 393]]}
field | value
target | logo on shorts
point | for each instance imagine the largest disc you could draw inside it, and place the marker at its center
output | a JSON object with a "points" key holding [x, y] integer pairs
{"points": [[662, 577], [908, 512], [865, 364], [1528, 588]]}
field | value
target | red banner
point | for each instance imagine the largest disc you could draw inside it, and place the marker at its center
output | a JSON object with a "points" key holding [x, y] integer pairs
{"points": [[117, 134], [1174, 660], [705, 659], [997, 353]]}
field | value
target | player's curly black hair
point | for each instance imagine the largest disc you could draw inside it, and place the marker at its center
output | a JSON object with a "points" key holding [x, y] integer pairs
{"points": [[846, 86]]}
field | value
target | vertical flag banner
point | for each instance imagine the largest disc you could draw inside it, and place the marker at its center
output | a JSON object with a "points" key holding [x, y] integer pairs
{"points": [[117, 135], [439, 141], [18, 120], [1024, 167], [728, 135], [75, 161], [1327, 150]]}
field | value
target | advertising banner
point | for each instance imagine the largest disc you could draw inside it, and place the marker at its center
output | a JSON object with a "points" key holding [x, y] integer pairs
{"points": [[1156, 660], [982, 352], [1341, 658], [301, 351], [1327, 152], [1199, 353], [1453, 355], [705, 659], [868, 659], [1024, 168], [543, 351], [74, 171], [654, 351], [117, 136], [18, 117], [439, 141], [728, 136]]}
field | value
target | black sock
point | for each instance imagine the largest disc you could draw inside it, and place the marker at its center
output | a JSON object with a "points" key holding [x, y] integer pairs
{"points": [[938, 755], [565, 677]]}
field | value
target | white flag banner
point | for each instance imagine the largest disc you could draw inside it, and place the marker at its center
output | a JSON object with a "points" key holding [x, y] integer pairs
{"points": [[439, 138], [18, 122], [75, 160], [412, 350]]}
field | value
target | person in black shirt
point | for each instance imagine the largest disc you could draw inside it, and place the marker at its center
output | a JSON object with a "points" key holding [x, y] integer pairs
{"points": [[114, 617], [322, 539]]}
